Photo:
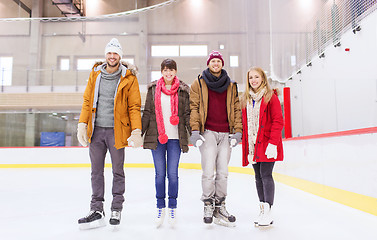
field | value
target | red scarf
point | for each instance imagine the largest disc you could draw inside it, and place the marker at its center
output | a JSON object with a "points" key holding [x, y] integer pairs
{"points": [[174, 119]]}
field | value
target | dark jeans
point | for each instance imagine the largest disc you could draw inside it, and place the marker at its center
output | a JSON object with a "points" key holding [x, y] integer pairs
{"points": [[103, 140], [166, 160], [264, 181]]}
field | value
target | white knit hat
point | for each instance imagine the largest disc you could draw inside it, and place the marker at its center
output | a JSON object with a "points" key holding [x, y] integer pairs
{"points": [[114, 46]]}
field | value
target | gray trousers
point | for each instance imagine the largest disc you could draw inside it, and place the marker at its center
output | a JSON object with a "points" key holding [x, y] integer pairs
{"points": [[103, 140], [215, 153]]}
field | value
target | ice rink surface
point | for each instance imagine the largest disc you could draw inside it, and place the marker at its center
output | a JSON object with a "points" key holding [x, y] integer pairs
{"points": [[46, 203]]}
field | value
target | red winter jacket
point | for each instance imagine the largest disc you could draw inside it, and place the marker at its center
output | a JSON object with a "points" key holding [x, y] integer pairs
{"points": [[270, 129]]}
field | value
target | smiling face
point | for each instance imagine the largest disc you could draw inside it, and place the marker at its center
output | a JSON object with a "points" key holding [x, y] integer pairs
{"points": [[215, 66], [255, 80], [112, 59], [168, 75]]}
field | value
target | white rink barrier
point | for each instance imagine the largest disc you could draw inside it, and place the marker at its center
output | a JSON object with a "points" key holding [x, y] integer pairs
{"points": [[341, 167]]}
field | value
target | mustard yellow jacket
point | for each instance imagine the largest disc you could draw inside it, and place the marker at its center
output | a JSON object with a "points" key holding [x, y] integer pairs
{"points": [[199, 106], [127, 103]]}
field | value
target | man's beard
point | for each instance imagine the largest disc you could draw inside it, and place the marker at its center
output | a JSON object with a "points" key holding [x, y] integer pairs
{"points": [[112, 65], [215, 73]]}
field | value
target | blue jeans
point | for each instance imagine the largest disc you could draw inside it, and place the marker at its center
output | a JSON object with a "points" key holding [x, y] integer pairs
{"points": [[166, 160]]}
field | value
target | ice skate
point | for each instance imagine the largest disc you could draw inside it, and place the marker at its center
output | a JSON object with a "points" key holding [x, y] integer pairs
{"points": [[222, 217], [208, 212], [266, 219], [94, 219], [258, 219], [160, 216], [115, 218], [172, 212]]}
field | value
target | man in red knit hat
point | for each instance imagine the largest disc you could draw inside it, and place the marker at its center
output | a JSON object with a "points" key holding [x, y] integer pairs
{"points": [[216, 126]]}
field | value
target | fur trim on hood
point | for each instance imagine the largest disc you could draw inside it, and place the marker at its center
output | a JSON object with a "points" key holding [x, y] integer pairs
{"points": [[129, 66]]}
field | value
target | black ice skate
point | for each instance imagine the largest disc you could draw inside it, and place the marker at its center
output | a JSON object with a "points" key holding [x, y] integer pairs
{"points": [[208, 212], [94, 219], [222, 217], [115, 218]]}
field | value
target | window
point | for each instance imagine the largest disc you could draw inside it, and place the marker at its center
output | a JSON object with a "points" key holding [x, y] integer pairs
{"points": [[193, 50], [293, 61], [179, 50], [86, 63], [6, 64], [165, 51], [130, 60], [233, 61], [155, 75], [64, 63]]}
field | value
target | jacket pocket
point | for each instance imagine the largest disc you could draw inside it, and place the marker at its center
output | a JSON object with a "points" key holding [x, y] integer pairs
{"points": [[125, 129]]}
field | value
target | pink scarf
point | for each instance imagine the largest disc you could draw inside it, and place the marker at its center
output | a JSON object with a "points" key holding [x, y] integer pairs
{"points": [[174, 119]]}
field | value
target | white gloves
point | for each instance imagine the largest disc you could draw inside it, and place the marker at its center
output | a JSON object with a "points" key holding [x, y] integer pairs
{"points": [[196, 139], [135, 140], [271, 151], [82, 134]]}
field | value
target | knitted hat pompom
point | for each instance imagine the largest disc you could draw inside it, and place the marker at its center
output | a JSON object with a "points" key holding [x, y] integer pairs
{"points": [[163, 138], [174, 119]]}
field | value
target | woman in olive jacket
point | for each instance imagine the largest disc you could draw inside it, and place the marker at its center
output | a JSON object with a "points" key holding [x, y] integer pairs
{"points": [[166, 128]]}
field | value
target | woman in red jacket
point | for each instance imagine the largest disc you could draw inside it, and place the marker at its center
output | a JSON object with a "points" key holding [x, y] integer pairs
{"points": [[262, 122]]}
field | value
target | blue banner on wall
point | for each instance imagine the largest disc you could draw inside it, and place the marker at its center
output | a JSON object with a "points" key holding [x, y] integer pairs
{"points": [[53, 139]]}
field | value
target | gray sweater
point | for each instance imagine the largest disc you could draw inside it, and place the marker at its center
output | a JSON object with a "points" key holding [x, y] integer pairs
{"points": [[106, 95]]}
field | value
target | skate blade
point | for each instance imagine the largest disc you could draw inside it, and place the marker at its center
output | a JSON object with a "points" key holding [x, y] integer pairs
{"points": [[115, 228], [95, 224], [159, 224], [224, 223], [172, 223], [265, 226]]}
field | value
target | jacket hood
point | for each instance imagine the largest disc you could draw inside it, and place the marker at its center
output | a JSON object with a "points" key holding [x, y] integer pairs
{"points": [[133, 69]]}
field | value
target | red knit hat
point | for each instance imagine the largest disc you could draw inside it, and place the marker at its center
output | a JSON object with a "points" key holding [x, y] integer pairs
{"points": [[215, 54]]}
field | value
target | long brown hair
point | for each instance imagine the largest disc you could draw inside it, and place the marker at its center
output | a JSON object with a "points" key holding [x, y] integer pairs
{"points": [[245, 98]]}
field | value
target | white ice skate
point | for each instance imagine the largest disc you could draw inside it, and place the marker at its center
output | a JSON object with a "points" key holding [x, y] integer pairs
{"points": [[222, 217], [258, 219], [172, 212], [94, 219], [160, 216], [266, 219]]}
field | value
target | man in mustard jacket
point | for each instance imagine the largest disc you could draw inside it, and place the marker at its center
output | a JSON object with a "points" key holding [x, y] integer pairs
{"points": [[110, 119], [216, 125]]}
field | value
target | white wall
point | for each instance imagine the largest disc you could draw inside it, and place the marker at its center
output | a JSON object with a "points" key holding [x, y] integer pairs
{"points": [[338, 92], [347, 162]]}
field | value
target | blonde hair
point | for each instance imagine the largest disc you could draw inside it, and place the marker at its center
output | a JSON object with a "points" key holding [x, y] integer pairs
{"points": [[245, 97]]}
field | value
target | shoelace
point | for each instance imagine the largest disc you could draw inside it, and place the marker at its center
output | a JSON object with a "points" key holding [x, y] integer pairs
{"points": [[208, 210], [115, 214], [159, 213], [90, 213], [172, 213], [261, 210], [223, 210]]}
